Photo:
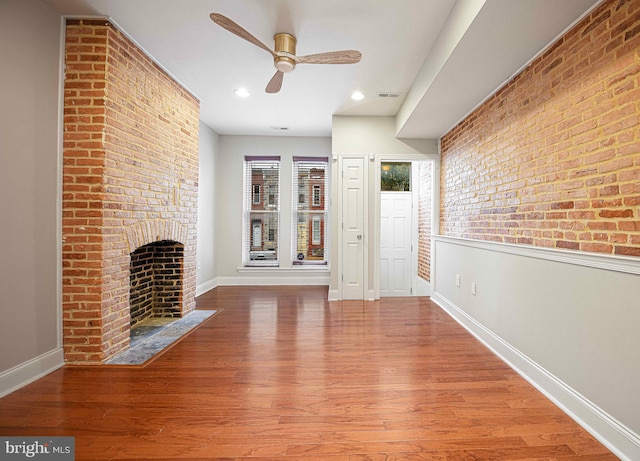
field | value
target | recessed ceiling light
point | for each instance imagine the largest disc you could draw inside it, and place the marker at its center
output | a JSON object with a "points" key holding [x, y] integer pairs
{"points": [[357, 96], [241, 93]]}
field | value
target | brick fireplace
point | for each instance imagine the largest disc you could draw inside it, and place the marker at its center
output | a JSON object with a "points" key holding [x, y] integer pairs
{"points": [[130, 181], [155, 281]]}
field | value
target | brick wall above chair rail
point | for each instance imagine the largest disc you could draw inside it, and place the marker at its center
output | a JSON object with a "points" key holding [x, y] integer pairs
{"points": [[552, 159]]}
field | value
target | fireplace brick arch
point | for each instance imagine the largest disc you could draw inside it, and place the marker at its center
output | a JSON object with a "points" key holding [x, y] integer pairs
{"points": [[145, 232]]}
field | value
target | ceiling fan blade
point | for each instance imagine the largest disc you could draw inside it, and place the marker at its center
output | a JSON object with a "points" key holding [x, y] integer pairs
{"points": [[234, 28], [331, 57], [275, 83]]}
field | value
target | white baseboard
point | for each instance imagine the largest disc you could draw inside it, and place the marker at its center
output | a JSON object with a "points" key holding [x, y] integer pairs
{"points": [[622, 441], [206, 286], [19, 376]]}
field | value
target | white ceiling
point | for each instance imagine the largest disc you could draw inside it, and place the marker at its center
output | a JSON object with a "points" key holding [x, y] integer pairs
{"points": [[443, 56]]}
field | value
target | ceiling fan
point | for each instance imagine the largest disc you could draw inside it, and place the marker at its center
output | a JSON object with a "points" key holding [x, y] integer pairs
{"points": [[284, 52]]}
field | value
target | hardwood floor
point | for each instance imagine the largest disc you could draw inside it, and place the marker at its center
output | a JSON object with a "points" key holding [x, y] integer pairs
{"points": [[282, 374]]}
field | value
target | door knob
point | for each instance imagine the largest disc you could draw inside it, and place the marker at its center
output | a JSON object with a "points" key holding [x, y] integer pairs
{"points": [[359, 237]]}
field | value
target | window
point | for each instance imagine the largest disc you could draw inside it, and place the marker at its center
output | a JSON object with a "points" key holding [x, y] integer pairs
{"points": [[395, 176], [261, 217], [316, 195], [310, 213], [315, 231], [256, 238], [272, 195]]}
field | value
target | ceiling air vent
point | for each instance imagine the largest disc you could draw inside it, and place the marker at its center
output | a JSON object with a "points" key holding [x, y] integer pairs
{"points": [[279, 128], [388, 95]]}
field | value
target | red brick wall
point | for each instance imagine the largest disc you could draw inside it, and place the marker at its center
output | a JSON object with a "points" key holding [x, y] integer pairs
{"points": [[425, 178], [130, 178], [553, 159]]}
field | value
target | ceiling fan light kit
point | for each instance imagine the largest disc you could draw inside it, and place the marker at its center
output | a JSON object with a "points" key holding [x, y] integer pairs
{"points": [[284, 52], [285, 44]]}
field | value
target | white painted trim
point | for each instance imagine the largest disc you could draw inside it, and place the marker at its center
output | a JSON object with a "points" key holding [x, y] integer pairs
{"points": [[371, 295], [25, 373], [622, 441], [417, 286], [295, 270], [626, 264], [202, 288], [262, 279]]}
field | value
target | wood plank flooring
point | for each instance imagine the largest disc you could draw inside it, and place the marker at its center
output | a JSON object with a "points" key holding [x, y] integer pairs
{"points": [[282, 374]]}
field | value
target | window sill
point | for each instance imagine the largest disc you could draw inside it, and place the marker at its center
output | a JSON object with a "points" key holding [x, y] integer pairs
{"points": [[295, 268]]}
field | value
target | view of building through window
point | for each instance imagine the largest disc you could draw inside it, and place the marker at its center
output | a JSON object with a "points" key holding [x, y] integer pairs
{"points": [[261, 211], [310, 210]]}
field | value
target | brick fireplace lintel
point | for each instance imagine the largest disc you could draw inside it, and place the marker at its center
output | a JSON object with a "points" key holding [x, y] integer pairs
{"points": [[143, 233]]}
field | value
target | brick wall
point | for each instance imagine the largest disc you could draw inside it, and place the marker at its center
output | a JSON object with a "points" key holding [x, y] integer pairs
{"points": [[129, 178], [553, 159], [425, 175]]}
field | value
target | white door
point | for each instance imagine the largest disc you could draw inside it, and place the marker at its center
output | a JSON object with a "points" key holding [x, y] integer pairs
{"points": [[395, 243], [353, 228]]}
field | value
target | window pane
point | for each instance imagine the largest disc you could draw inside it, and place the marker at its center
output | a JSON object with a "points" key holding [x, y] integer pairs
{"points": [[261, 213], [309, 214], [264, 237], [395, 176], [310, 232], [316, 231]]}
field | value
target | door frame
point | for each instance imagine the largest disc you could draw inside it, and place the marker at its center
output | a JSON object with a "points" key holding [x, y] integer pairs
{"points": [[372, 220], [418, 288], [337, 292]]}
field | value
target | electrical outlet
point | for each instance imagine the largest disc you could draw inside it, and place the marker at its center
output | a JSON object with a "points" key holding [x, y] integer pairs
{"points": [[473, 288], [458, 280]]}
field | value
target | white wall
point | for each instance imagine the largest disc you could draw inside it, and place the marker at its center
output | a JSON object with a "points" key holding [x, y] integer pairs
{"points": [[228, 189], [207, 199], [30, 332], [568, 321], [377, 135]]}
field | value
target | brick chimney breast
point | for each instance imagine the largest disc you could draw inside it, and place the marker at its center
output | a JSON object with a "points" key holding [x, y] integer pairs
{"points": [[130, 178]]}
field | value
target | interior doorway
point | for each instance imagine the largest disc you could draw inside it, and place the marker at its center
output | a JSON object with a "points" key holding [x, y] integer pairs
{"points": [[405, 227], [396, 243]]}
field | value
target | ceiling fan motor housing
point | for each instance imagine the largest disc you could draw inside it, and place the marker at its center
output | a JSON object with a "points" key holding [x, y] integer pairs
{"points": [[284, 43]]}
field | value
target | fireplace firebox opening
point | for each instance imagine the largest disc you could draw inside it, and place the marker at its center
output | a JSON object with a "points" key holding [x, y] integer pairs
{"points": [[156, 281]]}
